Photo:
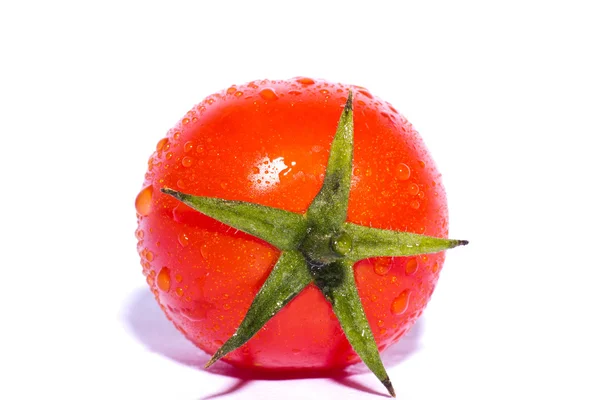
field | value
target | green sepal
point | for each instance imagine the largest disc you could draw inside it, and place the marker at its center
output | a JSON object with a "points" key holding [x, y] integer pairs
{"points": [[328, 210], [289, 276], [369, 242], [348, 308], [281, 228], [330, 206]]}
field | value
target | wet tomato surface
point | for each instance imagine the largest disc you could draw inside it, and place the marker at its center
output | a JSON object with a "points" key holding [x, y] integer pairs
{"points": [[267, 142]]}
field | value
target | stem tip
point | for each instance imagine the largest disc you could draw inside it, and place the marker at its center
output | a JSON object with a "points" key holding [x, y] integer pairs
{"points": [[348, 106], [210, 362], [171, 192], [388, 385]]}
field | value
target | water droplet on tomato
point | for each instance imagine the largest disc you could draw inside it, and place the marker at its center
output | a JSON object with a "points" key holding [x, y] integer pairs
{"points": [[305, 81], [421, 163], [185, 121], [139, 234], [196, 313], [411, 266], [342, 244], [183, 239], [386, 115], [400, 334], [238, 94], [415, 204], [413, 189], [179, 212], [187, 161], [324, 91], [163, 280], [382, 266], [435, 268], [402, 172], [400, 303], [181, 184], [380, 323], [143, 201], [268, 94], [204, 251], [188, 146], [169, 155], [161, 143], [231, 90], [366, 93], [179, 291], [149, 256], [284, 173]]}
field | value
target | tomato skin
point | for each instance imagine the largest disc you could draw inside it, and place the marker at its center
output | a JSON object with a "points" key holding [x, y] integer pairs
{"points": [[267, 142]]}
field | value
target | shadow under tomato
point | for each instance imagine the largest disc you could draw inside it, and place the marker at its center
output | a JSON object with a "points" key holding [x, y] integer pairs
{"points": [[148, 324]]}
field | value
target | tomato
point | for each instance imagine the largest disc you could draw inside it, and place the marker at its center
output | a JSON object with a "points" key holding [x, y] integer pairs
{"points": [[267, 142]]}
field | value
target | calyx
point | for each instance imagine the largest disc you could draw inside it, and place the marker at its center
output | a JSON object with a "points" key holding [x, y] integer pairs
{"points": [[318, 247]]}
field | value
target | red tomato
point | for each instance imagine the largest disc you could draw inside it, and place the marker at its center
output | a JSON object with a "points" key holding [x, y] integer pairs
{"points": [[267, 142]]}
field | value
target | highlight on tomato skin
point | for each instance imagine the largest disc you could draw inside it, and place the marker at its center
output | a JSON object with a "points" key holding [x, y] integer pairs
{"points": [[268, 143]]}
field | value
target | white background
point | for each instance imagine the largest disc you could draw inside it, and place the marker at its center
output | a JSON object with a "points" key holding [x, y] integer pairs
{"points": [[506, 95]]}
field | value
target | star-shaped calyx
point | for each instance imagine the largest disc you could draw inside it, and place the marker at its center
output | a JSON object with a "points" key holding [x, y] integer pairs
{"points": [[319, 246]]}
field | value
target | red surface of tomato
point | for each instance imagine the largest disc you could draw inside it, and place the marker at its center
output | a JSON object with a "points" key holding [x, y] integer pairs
{"points": [[267, 142]]}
